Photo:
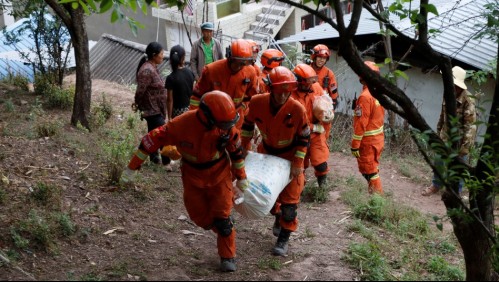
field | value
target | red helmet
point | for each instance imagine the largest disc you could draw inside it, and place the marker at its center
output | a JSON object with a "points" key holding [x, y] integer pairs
{"points": [[320, 50], [219, 109], [240, 49], [280, 79], [372, 65], [271, 58], [305, 74]]}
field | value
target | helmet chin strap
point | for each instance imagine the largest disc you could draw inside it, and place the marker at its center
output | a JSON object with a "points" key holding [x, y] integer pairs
{"points": [[205, 120]]}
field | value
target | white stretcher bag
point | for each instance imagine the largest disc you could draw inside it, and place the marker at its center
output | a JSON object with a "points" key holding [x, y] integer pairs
{"points": [[268, 176]]}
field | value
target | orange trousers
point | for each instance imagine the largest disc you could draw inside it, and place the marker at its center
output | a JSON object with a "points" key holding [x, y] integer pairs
{"points": [[317, 153], [290, 195], [370, 153], [205, 204], [327, 130]]}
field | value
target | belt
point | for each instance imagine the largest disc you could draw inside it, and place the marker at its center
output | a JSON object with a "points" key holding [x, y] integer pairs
{"points": [[277, 151], [205, 165]]}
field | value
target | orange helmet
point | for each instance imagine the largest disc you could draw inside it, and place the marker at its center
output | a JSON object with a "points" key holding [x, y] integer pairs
{"points": [[305, 74], [219, 109], [280, 79], [240, 49], [320, 50], [271, 58], [372, 65]]}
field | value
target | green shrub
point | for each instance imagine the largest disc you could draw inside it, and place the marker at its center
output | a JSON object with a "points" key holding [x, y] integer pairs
{"points": [[38, 229], [47, 128], [443, 271], [46, 195], [3, 194], [367, 256], [101, 113], [43, 84], [9, 106], [373, 210], [59, 98], [19, 241], [117, 151], [66, 225]]}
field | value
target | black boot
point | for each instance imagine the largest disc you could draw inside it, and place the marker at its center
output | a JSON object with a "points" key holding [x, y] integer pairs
{"points": [[322, 181], [276, 229], [281, 246]]}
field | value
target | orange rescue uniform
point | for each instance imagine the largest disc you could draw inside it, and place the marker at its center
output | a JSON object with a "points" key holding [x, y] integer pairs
{"points": [[206, 170], [318, 153], [218, 76], [284, 134], [331, 88], [368, 137]]}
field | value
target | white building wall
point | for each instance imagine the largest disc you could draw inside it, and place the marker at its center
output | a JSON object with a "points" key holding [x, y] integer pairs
{"points": [[424, 89], [5, 18]]}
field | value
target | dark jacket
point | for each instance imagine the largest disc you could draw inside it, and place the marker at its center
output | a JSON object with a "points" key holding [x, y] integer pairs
{"points": [[198, 58]]}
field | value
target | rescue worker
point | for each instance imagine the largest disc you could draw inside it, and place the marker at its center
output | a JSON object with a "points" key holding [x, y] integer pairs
{"points": [[233, 75], [318, 152], [285, 133], [368, 139], [270, 59], [327, 79], [466, 114], [206, 168]]}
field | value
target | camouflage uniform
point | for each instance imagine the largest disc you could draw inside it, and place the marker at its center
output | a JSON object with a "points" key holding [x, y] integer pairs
{"points": [[466, 113]]}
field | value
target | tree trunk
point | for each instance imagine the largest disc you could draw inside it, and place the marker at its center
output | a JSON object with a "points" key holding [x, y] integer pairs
{"points": [[83, 94]]}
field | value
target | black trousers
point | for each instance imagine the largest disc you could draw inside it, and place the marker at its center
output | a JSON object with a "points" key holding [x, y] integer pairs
{"points": [[154, 122]]}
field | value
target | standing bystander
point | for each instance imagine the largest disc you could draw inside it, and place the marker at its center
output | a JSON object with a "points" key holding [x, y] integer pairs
{"points": [[466, 116], [205, 50]]}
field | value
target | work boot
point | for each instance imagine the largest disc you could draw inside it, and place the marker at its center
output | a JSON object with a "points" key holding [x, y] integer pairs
{"points": [[322, 181], [281, 246], [276, 229], [228, 265]]}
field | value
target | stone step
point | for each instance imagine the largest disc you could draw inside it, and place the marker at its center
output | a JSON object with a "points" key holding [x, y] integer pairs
{"points": [[258, 37], [263, 27], [275, 10], [269, 18]]}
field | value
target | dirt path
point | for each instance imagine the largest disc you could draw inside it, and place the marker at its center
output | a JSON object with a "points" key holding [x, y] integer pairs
{"points": [[152, 237]]}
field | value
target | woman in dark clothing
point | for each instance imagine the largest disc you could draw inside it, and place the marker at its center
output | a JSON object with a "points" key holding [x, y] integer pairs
{"points": [[150, 96], [179, 84]]}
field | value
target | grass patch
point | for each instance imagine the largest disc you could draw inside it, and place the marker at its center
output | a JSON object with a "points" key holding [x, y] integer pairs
{"points": [[269, 263], [399, 241]]}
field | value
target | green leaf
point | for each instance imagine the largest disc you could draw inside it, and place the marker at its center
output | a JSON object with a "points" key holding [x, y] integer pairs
{"points": [[75, 5], [105, 5], [85, 8], [401, 73], [387, 61], [133, 5], [114, 16], [66, 1], [430, 8], [92, 5], [440, 226]]}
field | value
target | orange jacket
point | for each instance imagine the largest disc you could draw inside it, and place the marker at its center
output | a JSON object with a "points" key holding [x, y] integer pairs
{"points": [[217, 76], [204, 161], [368, 120], [332, 87], [285, 134], [307, 100]]}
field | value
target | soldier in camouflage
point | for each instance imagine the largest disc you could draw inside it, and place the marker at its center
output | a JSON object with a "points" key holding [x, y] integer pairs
{"points": [[466, 114]]}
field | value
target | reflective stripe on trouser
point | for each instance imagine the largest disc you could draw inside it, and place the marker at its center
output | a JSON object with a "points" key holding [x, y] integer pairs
{"points": [[290, 195], [317, 153], [375, 185], [205, 204]]}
